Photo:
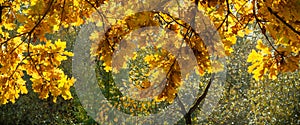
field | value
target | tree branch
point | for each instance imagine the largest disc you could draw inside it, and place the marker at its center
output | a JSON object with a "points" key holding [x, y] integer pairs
{"points": [[188, 118], [226, 16], [263, 30], [283, 21], [1, 8], [102, 16], [183, 111], [43, 17]]}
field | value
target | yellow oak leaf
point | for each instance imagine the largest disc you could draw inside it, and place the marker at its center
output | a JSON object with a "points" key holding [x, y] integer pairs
{"points": [[55, 27], [254, 56], [241, 33], [23, 89], [60, 44], [9, 26], [232, 39], [107, 68]]}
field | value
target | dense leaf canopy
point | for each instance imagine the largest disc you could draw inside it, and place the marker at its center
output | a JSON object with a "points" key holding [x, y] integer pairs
{"points": [[26, 48]]}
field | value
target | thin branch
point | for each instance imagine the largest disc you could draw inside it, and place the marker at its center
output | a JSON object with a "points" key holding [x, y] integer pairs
{"points": [[175, 20], [16, 47], [33, 63], [100, 13], [283, 21], [13, 38], [242, 6], [43, 17], [1, 8], [187, 117], [236, 19], [62, 13], [262, 29], [183, 111], [29, 34], [226, 16], [248, 22], [197, 3], [94, 7], [17, 67], [29, 39], [223, 22]]}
